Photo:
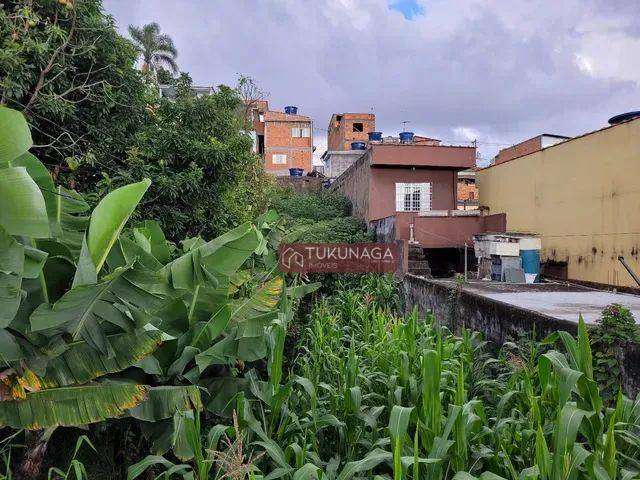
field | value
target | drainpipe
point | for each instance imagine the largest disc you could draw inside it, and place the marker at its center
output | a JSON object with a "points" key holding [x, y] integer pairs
{"points": [[631, 272], [465, 261]]}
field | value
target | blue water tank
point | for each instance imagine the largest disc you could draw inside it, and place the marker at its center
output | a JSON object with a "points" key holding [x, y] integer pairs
{"points": [[358, 146], [531, 265], [291, 110], [296, 172], [375, 136], [406, 137]]}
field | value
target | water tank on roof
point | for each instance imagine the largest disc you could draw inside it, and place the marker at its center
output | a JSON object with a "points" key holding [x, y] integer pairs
{"points": [[623, 117], [291, 110], [375, 136], [358, 146], [406, 137]]}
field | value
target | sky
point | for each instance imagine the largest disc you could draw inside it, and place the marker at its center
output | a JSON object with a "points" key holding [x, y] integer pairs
{"points": [[495, 71]]}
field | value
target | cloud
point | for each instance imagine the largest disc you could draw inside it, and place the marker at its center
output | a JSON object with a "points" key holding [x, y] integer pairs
{"points": [[504, 69]]}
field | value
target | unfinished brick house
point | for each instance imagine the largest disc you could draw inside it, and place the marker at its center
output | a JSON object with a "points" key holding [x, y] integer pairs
{"points": [[408, 191], [345, 128], [283, 139]]}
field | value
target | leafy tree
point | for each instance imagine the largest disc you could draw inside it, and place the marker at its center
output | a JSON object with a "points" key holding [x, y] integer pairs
{"points": [[205, 177], [157, 49], [65, 65]]}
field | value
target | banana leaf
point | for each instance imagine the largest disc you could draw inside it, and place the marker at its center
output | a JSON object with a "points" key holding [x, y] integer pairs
{"points": [[11, 272], [28, 213], [15, 137], [81, 363], [163, 402], [82, 309], [109, 217], [71, 406]]}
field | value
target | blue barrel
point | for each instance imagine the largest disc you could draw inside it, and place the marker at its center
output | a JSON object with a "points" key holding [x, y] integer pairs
{"points": [[358, 146], [296, 172], [531, 265], [406, 137], [375, 136], [291, 110]]}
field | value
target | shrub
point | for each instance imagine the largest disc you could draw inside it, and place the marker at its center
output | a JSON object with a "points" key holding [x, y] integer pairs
{"points": [[615, 331], [325, 206], [336, 230]]}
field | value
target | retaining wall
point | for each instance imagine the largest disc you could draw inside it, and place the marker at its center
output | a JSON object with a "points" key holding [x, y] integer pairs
{"points": [[499, 322]]}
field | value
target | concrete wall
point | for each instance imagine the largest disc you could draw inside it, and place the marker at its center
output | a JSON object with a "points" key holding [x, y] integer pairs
{"points": [[498, 321], [301, 184], [355, 185], [582, 196]]}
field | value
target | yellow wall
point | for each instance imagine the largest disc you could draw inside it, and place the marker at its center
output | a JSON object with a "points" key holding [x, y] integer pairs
{"points": [[582, 196]]}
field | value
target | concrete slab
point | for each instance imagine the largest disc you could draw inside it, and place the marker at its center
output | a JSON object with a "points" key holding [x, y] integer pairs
{"points": [[557, 300]]}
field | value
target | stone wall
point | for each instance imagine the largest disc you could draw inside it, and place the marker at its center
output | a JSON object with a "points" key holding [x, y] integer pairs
{"points": [[497, 321]]}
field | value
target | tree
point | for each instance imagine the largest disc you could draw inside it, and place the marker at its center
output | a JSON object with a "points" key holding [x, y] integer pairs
{"points": [[157, 49], [250, 95], [65, 65], [206, 177]]}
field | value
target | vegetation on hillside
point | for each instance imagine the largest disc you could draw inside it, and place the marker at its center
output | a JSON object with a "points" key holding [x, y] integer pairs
{"points": [[323, 217]]}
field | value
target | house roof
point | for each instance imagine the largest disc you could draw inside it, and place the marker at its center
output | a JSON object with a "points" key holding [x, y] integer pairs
{"points": [[422, 155], [272, 116]]}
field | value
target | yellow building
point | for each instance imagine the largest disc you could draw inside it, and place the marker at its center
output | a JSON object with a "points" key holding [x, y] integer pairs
{"points": [[582, 196]]}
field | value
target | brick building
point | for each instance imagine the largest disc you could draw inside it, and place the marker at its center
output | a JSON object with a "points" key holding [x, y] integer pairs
{"points": [[467, 190], [528, 146], [283, 139], [345, 128]]}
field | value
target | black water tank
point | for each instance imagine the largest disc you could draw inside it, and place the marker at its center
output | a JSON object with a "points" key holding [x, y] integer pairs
{"points": [[623, 117]]}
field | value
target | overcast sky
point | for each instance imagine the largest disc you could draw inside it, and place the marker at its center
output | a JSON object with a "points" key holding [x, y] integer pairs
{"points": [[498, 71]]}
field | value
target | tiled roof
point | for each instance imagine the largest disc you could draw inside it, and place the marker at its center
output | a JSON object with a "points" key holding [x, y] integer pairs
{"points": [[271, 116]]}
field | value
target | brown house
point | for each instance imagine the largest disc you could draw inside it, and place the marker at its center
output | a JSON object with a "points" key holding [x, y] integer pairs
{"points": [[408, 191], [283, 139]]}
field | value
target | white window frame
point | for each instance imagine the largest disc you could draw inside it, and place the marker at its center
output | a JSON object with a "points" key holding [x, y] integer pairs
{"points": [[277, 158], [413, 197], [305, 132], [296, 132]]}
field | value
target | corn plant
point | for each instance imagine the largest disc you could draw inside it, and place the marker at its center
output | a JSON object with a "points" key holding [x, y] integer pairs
{"points": [[377, 395]]}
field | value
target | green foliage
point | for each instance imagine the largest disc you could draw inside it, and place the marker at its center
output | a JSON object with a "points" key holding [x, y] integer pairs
{"points": [[65, 65], [336, 230], [132, 325], [206, 179], [157, 50], [376, 396], [616, 330], [325, 206]]}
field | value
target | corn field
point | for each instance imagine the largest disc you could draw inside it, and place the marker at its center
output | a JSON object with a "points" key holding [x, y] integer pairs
{"points": [[377, 395]]}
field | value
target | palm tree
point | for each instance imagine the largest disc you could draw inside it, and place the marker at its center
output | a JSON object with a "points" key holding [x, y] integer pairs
{"points": [[157, 49]]}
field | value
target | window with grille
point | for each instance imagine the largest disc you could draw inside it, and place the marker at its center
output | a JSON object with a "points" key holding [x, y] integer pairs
{"points": [[413, 197], [279, 159]]}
